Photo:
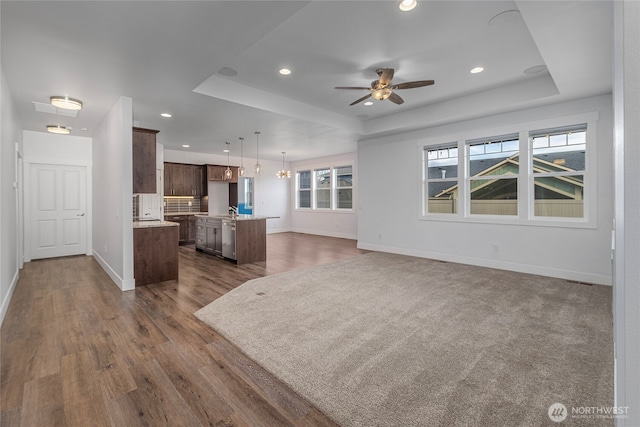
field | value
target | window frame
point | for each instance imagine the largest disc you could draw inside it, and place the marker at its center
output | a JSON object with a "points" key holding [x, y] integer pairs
{"points": [[334, 198], [316, 189], [298, 189], [526, 196], [333, 189]]}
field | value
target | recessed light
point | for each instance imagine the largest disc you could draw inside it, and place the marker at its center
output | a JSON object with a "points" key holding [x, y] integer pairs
{"points": [[167, 115], [66, 103], [285, 71], [368, 103], [186, 145], [84, 129], [407, 5], [476, 70], [225, 150], [57, 129]]}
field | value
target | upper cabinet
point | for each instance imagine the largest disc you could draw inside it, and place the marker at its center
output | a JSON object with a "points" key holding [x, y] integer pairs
{"points": [[144, 160], [216, 173], [184, 180]]}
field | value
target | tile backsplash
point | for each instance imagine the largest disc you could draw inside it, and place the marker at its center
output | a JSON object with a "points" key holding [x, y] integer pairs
{"points": [[182, 204]]}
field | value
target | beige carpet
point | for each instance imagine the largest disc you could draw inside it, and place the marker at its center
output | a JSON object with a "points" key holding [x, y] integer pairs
{"points": [[390, 340]]}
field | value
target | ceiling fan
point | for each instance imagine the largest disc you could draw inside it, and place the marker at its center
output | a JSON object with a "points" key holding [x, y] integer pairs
{"points": [[382, 88]]}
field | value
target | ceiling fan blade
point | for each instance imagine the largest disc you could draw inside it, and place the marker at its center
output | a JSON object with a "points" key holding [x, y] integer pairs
{"points": [[386, 76], [395, 98], [352, 87], [411, 85], [361, 99]]}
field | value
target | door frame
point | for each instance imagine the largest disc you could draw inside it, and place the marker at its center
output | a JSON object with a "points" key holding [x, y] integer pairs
{"points": [[26, 179]]}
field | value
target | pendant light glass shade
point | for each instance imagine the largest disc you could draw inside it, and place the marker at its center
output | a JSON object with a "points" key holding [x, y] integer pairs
{"points": [[283, 173], [241, 168], [258, 168], [227, 173]]}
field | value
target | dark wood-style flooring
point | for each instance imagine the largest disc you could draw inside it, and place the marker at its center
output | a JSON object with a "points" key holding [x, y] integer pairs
{"points": [[77, 351]]}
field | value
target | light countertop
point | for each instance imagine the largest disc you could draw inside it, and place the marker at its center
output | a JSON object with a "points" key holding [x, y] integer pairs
{"points": [[237, 217], [158, 223], [184, 213]]}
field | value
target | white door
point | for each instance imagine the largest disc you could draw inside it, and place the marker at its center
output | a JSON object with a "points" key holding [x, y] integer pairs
{"points": [[58, 199]]}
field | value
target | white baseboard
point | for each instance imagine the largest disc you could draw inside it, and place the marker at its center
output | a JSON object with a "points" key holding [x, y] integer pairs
{"points": [[578, 276], [349, 236], [124, 285], [7, 298]]}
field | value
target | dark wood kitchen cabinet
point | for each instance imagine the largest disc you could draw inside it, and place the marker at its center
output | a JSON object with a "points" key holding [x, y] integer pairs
{"points": [[155, 254], [183, 180], [216, 173], [144, 160], [188, 227]]}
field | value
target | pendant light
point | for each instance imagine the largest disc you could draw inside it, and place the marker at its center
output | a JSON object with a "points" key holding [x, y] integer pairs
{"points": [[258, 168], [283, 173], [241, 168], [228, 174]]}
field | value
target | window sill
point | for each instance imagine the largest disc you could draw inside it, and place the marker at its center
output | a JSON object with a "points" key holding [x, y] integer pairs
{"points": [[509, 220]]}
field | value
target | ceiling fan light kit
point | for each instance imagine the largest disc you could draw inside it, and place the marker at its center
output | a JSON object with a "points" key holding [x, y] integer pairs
{"points": [[66, 103], [382, 88]]}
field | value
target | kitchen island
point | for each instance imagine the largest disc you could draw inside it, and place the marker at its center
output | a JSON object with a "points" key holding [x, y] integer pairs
{"points": [[240, 238], [155, 251]]}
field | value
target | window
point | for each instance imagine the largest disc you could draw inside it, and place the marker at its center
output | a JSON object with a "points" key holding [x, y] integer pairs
{"points": [[537, 175], [325, 188], [442, 178], [494, 165], [558, 159], [303, 179], [344, 187]]}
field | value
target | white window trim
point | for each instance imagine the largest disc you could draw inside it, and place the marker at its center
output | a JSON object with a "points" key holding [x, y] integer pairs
{"points": [[333, 189], [525, 215]]}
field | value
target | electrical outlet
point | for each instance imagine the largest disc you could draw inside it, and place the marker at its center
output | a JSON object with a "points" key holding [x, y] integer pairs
{"points": [[495, 247], [380, 236]]}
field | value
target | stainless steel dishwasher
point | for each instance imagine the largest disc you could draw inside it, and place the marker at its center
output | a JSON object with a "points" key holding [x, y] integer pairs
{"points": [[229, 239]]}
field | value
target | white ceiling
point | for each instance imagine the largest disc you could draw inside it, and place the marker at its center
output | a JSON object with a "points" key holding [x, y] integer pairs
{"points": [[167, 56]]}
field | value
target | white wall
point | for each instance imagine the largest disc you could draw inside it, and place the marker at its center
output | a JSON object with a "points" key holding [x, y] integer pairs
{"points": [[271, 195], [11, 128], [626, 286], [333, 223], [48, 148], [389, 204], [113, 190]]}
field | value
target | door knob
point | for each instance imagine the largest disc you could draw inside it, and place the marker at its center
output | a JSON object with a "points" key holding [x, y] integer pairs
{"points": [[82, 214]]}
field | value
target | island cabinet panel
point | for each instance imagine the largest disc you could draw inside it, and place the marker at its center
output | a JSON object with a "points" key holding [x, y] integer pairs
{"points": [[144, 160], [251, 241], [155, 254], [209, 235]]}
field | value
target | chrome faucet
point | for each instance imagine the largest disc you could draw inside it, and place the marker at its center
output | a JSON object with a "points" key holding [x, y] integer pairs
{"points": [[233, 210]]}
